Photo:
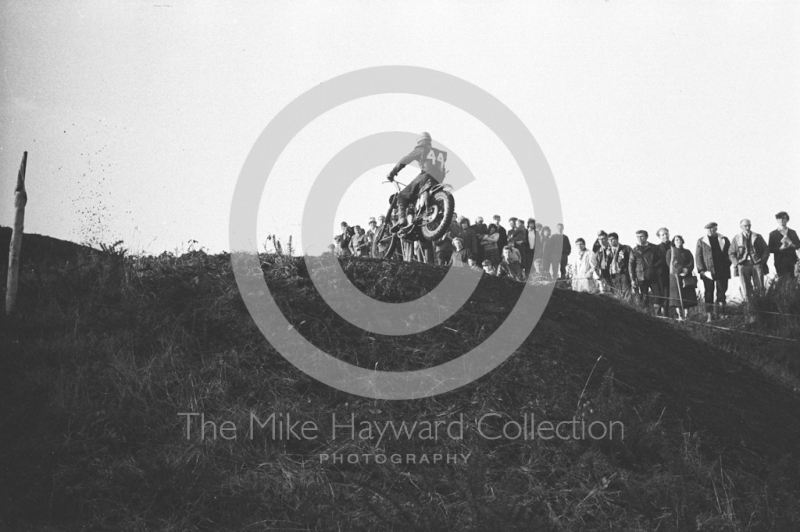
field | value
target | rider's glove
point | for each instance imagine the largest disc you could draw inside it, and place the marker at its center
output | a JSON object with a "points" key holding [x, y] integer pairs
{"points": [[390, 177]]}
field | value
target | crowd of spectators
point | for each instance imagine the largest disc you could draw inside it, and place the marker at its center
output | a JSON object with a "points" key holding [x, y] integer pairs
{"points": [[659, 275]]}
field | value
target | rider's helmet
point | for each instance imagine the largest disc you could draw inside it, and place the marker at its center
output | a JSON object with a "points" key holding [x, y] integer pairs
{"points": [[424, 137]]}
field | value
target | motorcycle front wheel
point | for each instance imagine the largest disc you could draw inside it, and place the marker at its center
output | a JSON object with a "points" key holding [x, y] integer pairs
{"points": [[385, 243]]}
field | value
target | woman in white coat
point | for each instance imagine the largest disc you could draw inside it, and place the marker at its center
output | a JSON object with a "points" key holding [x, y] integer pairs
{"points": [[582, 269]]}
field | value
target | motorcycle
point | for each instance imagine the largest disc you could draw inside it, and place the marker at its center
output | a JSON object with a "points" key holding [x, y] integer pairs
{"points": [[431, 215]]}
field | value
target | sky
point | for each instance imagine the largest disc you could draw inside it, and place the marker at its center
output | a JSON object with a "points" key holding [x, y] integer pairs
{"points": [[138, 116]]}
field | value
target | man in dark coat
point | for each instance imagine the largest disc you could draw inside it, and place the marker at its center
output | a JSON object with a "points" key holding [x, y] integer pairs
{"points": [[618, 265], [783, 244], [480, 229], [645, 269], [503, 240], [469, 237], [714, 268], [665, 245], [347, 233], [566, 248], [602, 261]]}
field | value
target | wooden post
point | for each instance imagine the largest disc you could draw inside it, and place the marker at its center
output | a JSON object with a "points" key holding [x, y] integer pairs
{"points": [[20, 200]]}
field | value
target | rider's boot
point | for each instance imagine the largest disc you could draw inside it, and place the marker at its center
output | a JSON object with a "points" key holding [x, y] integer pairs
{"points": [[401, 219]]}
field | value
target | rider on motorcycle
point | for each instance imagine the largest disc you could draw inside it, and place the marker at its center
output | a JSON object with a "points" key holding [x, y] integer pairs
{"points": [[431, 162]]}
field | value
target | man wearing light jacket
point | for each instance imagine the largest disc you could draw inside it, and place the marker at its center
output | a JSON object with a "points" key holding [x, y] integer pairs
{"points": [[714, 267], [749, 253]]}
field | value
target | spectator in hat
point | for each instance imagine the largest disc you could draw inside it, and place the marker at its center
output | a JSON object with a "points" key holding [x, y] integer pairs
{"points": [[783, 244], [359, 245], [490, 245], [582, 269], [508, 267], [561, 242], [748, 254], [460, 254], [714, 268], [682, 291], [618, 266], [644, 266], [371, 232], [503, 240]]}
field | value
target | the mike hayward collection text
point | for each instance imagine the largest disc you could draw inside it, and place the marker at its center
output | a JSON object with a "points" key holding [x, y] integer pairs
{"points": [[490, 426]]}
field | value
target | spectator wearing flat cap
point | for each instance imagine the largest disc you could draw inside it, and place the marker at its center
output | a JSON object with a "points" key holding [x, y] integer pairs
{"points": [[582, 270], [783, 244], [644, 266], [714, 268], [749, 253], [371, 232]]}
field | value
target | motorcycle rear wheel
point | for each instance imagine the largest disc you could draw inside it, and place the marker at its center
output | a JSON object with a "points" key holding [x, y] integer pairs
{"points": [[446, 204]]}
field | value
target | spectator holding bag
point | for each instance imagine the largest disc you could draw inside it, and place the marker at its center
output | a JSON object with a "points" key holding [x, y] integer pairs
{"points": [[682, 282]]}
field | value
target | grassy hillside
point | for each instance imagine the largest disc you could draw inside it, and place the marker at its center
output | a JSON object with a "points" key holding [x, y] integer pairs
{"points": [[105, 352]]}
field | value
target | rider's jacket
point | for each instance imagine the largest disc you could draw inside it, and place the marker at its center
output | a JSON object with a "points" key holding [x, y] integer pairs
{"points": [[431, 161]]}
